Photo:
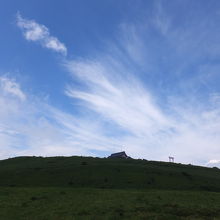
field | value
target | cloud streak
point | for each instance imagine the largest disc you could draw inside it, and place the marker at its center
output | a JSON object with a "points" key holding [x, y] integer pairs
{"points": [[145, 128], [128, 95], [126, 103], [26, 129], [169, 117], [33, 31], [11, 87]]}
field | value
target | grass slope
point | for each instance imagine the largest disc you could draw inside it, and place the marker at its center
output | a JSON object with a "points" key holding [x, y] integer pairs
{"points": [[59, 203], [57, 188], [106, 173]]}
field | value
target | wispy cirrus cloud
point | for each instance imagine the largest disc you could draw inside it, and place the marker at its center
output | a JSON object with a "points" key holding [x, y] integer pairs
{"points": [[147, 129], [37, 32], [11, 87], [169, 117], [140, 93], [213, 162], [125, 101], [27, 129]]}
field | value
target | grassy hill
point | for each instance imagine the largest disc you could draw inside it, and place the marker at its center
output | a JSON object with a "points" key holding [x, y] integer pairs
{"points": [[93, 188], [106, 173]]}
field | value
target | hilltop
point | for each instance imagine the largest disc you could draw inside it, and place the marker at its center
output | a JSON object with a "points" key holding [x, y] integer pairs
{"points": [[106, 173], [68, 188]]}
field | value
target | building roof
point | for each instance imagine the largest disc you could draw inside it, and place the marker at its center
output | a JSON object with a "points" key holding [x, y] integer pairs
{"points": [[119, 154]]}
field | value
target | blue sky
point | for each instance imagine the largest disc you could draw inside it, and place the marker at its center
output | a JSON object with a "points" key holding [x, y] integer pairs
{"points": [[96, 77]]}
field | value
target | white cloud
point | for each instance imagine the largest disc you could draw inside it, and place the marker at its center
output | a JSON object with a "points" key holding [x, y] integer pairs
{"points": [[183, 126], [126, 103], [10, 86], [213, 163], [37, 32], [122, 113], [32, 127], [120, 109]]}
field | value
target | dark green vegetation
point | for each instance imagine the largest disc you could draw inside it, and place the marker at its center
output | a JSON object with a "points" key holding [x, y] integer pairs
{"points": [[106, 173], [57, 203], [94, 188]]}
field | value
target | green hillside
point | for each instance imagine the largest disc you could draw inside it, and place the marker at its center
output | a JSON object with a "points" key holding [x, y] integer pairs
{"points": [[106, 173], [69, 188]]}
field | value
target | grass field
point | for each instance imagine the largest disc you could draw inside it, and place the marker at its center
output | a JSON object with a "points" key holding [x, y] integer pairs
{"points": [[87, 203], [106, 173], [93, 188]]}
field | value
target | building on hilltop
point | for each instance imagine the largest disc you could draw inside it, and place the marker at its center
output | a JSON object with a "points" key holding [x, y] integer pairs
{"points": [[119, 155]]}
